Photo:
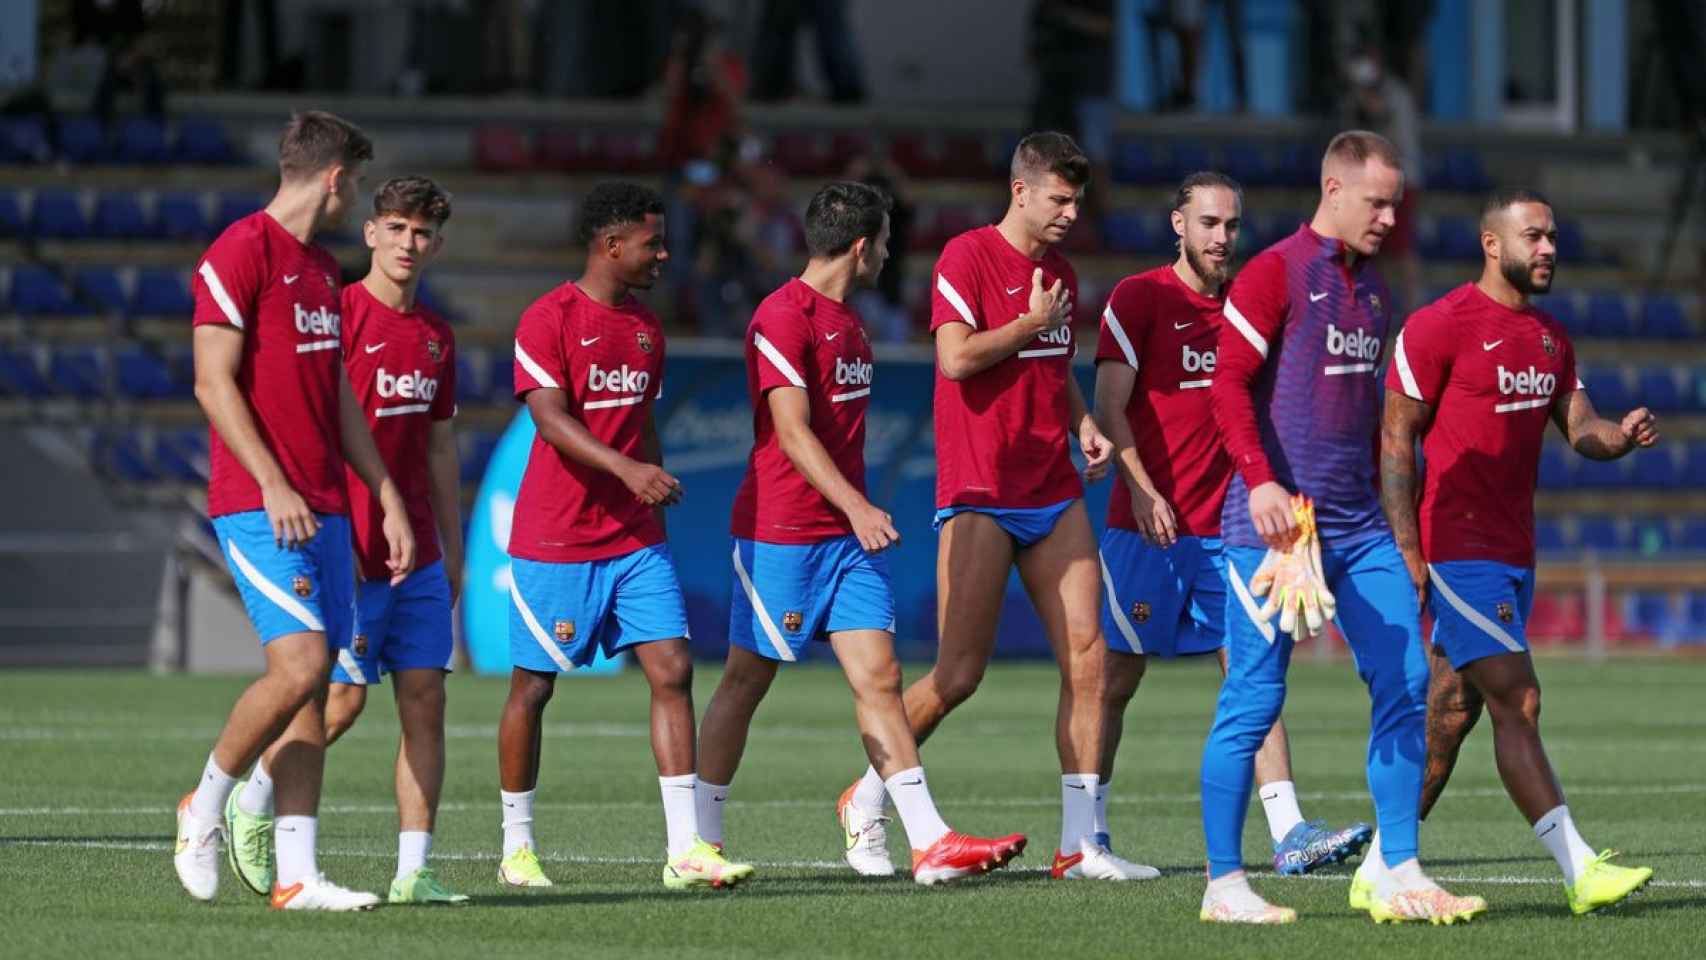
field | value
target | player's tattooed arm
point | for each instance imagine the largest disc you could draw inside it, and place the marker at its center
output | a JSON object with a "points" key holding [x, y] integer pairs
{"points": [[790, 411], [1597, 438], [362, 454], [648, 482], [1400, 424]]}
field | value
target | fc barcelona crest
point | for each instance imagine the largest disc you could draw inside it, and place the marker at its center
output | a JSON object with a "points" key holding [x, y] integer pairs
{"points": [[792, 620], [1140, 611], [645, 340], [301, 585], [1506, 614], [564, 630], [330, 283], [435, 351], [1547, 344], [359, 647], [1374, 301]]}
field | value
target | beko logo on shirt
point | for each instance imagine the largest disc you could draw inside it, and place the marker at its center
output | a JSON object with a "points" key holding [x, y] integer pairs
{"points": [[1197, 362], [858, 372], [408, 386], [623, 379], [1530, 382], [1352, 343], [320, 322], [1061, 335]]}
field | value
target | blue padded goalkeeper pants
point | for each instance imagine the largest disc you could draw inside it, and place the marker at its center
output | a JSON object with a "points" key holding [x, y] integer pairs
{"points": [[1380, 620]]}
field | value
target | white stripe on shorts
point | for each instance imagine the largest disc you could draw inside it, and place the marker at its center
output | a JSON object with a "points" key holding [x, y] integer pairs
{"points": [[1265, 628], [271, 591], [539, 634], [1120, 620], [1471, 614], [769, 625]]}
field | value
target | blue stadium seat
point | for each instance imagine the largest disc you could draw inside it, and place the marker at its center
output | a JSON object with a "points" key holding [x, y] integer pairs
{"points": [[1608, 389], [1655, 469], [1460, 169], [100, 286], [180, 216], [37, 291], [501, 375], [161, 293], [142, 140], [476, 451], [1126, 231], [12, 222], [234, 206], [119, 453], [1608, 315], [1455, 238], [181, 455], [1649, 536], [1693, 535], [119, 216], [1554, 468], [21, 375], [1548, 535], [77, 372], [1694, 462], [470, 386], [83, 140], [1649, 611], [1572, 246], [1658, 388], [1602, 474], [1598, 533], [143, 374], [203, 141], [1694, 387], [1562, 307], [1134, 162], [1190, 157], [24, 140], [1662, 318], [1248, 164], [58, 215]]}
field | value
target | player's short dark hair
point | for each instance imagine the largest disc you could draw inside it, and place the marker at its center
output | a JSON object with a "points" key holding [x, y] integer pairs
{"points": [[1357, 147], [412, 198], [1050, 152], [615, 204], [1505, 197], [842, 213], [314, 140], [1205, 178]]}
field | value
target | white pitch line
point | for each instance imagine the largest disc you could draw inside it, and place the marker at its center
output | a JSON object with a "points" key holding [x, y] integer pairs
{"points": [[492, 857], [1472, 793]]}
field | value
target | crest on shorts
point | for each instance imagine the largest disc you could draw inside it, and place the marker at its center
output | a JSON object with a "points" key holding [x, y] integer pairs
{"points": [[301, 585], [435, 351], [1140, 611], [644, 339], [1547, 345], [564, 630], [359, 645], [792, 620], [1506, 614]]}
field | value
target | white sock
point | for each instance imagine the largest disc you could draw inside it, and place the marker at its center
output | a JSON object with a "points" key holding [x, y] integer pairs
{"points": [[1233, 889], [712, 798], [680, 816], [255, 799], [1099, 816], [208, 803], [1557, 830], [1405, 876], [1279, 802], [917, 810], [1077, 810], [1372, 862], [871, 793], [293, 839], [518, 821], [412, 849]]}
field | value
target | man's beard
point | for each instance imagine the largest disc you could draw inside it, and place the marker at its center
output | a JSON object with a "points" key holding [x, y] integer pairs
{"points": [[1520, 274], [1213, 276]]}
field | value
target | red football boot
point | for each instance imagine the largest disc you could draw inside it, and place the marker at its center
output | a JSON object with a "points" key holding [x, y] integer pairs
{"points": [[957, 855]]}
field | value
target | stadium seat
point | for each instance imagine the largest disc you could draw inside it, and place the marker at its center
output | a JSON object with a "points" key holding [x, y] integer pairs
{"points": [[161, 293], [912, 153], [181, 455], [83, 140], [1455, 238], [12, 222], [1554, 468], [1190, 157], [563, 149], [37, 291], [1608, 315], [803, 153], [21, 374], [1694, 462], [119, 454], [101, 287], [78, 372], [1562, 307], [24, 140], [143, 374], [501, 375], [1655, 469], [1602, 474], [1649, 536], [1572, 246], [1693, 534], [1649, 611], [142, 140], [234, 206], [1608, 389], [1248, 164], [1134, 162], [1127, 232], [58, 215], [180, 216], [476, 452], [1598, 533], [203, 141], [119, 216], [1694, 387], [1659, 389], [1662, 318], [1548, 535], [470, 386]]}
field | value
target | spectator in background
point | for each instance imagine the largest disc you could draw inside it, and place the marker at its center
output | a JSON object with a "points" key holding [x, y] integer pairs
{"points": [[779, 22], [1379, 100], [120, 28], [1072, 49], [884, 307]]}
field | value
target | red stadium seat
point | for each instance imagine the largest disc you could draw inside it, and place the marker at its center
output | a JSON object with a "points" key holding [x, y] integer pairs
{"points": [[502, 149]]}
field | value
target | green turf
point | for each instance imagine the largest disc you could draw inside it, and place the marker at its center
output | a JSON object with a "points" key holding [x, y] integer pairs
{"points": [[91, 764]]}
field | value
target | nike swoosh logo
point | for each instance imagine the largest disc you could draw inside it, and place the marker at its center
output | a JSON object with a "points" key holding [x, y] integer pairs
{"points": [[1317, 297], [510, 805], [717, 799], [1550, 829], [832, 336], [1015, 290], [1488, 346], [852, 840], [283, 895], [374, 348], [587, 342], [1269, 796], [1076, 786], [1181, 326], [291, 277], [910, 783]]}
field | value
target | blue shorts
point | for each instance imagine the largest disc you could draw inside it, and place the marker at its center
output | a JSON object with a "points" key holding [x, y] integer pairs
{"points": [[786, 595], [561, 614], [1168, 602], [1480, 608], [310, 588], [406, 627], [1028, 525]]}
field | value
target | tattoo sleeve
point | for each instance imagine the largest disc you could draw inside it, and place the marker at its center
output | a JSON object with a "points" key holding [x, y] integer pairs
{"points": [[1588, 433], [1401, 422]]}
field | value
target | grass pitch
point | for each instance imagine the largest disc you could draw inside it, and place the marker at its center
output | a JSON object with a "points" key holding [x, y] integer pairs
{"points": [[91, 765]]}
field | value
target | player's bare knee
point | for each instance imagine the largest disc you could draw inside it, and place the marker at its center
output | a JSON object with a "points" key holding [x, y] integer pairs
{"points": [[671, 675], [1123, 674], [956, 683], [344, 703], [531, 691]]}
